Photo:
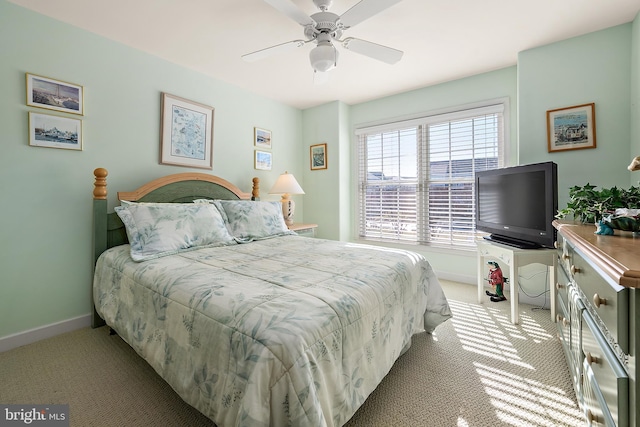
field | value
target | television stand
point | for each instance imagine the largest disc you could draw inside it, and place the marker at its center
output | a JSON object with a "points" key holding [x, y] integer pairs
{"points": [[514, 258]]}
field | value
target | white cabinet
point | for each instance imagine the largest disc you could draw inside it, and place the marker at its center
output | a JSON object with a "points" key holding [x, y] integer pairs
{"points": [[514, 258]]}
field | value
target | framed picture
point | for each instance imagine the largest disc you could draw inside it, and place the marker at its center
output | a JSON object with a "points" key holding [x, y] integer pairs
{"points": [[318, 156], [263, 160], [262, 138], [186, 133], [44, 92], [50, 131], [571, 128]]}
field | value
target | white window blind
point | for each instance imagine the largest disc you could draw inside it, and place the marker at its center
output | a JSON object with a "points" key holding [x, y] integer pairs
{"points": [[416, 177]]}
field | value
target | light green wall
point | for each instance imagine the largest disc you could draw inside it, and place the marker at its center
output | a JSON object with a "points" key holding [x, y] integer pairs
{"points": [[599, 67], [501, 83], [328, 192], [592, 68], [45, 238], [635, 96], [322, 186], [45, 260]]}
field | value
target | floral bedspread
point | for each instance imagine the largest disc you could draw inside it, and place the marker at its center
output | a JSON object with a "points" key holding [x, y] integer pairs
{"points": [[285, 331]]}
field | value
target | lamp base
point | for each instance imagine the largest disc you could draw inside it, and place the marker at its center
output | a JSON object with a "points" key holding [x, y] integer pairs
{"points": [[288, 208]]}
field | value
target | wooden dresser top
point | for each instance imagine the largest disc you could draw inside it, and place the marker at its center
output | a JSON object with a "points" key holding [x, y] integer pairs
{"points": [[618, 255]]}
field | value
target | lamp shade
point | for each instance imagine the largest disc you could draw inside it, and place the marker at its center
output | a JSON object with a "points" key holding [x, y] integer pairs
{"points": [[323, 57], [286, 184]]}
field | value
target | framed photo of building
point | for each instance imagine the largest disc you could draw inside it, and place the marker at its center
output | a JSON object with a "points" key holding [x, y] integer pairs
{"points": [[43, 92], [318, 156], [46, 130], [571, 128], [186, 133]]}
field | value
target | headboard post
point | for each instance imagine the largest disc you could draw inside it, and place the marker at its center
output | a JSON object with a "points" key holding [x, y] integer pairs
{"points": [[100, 185], [99, 227], [255, 192]]}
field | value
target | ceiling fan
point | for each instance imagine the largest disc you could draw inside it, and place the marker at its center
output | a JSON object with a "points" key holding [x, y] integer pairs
{"points": [[323, 28]]}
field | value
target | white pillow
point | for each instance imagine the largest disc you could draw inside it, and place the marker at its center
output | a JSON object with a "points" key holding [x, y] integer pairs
{"points": [[250, 220], [160, 229]]}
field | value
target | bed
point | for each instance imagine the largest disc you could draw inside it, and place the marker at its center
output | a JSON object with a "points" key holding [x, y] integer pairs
{"points": [[270, 329]]}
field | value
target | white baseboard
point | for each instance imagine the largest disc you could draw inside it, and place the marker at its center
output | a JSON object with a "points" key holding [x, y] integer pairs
{"points": [[460, 278], [32, 335]]}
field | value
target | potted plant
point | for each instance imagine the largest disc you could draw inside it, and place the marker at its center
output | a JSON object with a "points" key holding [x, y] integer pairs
{"points": [[589, 205]]}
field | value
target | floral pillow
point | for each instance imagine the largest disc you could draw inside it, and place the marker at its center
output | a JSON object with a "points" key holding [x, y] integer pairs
{"points": [[160, 229], [249, 220]]}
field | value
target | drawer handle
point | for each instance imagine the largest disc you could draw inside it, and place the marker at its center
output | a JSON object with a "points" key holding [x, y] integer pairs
{"points": [[591, 359], [566, 256], [591, 417], [574, 270], [559, 286], [598, 301]]}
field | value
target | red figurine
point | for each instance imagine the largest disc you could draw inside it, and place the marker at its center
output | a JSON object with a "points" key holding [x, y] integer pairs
{"points": [[497, 280]]}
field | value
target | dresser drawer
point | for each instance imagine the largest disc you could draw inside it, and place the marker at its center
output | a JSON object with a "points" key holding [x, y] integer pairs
{"points": [[610, 301], [563, 321], [562, 285], [575, 308], [563, 326], [595, 409], [564, 253], [609, 375]]}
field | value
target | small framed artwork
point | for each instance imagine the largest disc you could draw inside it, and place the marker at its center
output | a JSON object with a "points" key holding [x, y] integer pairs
{"points": [[262, 138], [186, 133], [263, 160], [571, 128], [50, 131], [319, 156], [44, 92]]}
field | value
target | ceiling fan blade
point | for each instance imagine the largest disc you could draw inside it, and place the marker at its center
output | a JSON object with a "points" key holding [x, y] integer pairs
{"points": [[292, 11], [273, 50], [320, 78], [373, 50], [365, 9]]}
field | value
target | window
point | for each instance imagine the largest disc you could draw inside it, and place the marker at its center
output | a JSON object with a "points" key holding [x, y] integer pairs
{"points": [[416, 177]]}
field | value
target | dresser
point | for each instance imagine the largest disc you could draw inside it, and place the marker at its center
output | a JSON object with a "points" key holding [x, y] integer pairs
{"points": [[597, 306]]}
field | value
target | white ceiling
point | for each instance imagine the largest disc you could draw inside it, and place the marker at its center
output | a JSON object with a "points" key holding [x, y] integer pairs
{"points": [[442, 40]]}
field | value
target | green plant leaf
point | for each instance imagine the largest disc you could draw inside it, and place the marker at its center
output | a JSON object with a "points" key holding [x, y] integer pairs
{"points": [[589, 205]]}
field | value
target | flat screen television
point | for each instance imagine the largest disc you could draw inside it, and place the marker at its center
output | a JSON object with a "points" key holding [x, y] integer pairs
{"points": [[516, 205]]}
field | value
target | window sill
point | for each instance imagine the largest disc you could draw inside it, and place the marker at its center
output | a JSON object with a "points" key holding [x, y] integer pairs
{"points": [[471, 251]]}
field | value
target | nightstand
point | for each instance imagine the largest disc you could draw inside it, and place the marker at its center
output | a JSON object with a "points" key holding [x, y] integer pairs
{"points": [[307, 230]]}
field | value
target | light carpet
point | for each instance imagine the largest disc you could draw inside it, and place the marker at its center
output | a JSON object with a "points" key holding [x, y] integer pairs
{"points": [[476, 370]]}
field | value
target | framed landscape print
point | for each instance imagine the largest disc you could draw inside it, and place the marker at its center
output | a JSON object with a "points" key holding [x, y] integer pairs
{"points": [[263, 160], [571, 128], [50, 131], [186, 133], [318, 156], [44, 92], [262, 138]]}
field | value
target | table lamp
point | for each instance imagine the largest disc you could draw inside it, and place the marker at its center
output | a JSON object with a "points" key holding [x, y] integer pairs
{"points": [[286, 185]]}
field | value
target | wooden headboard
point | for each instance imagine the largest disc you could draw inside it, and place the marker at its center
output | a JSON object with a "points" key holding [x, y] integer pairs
{"points": [[108, 229]]}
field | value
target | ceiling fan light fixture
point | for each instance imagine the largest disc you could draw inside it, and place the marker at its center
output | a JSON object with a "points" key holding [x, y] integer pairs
{"points": [[323, 57]]}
